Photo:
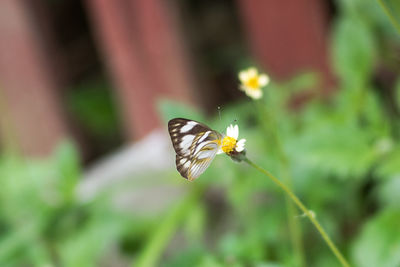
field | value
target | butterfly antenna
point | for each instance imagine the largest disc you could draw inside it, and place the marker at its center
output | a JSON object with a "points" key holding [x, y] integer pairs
{"points": [[219, 113]]}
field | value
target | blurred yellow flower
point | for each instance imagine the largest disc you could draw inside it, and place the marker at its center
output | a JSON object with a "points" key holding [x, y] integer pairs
{"points": [[252, 82]]}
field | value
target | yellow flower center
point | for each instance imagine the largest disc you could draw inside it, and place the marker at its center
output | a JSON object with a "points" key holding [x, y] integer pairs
{"points": [[253, 83], [228, 144]]}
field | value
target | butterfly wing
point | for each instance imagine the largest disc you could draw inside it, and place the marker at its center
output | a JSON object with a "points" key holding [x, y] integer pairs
{"points": [[195, 145]]}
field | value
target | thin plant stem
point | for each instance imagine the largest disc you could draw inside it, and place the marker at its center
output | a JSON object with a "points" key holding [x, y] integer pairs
{"points": [[152, 251], [389, 14], [295, 234], [301, 206]]}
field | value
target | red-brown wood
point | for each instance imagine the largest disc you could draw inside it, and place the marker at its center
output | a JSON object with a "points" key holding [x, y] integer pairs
{"points": [[162, 48], [134, 92], [142, 54], [30, 111], [288, 36]]}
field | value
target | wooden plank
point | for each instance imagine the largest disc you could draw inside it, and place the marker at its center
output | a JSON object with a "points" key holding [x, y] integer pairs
{"points": [[161, 45], [31, 115], [289, 36], [142, 58], [134, 93]]}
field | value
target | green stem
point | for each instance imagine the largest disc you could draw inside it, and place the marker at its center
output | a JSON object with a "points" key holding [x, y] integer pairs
{"points": [[294, 228], [269, 125], [301, 206], [152, 251], [389, 14]]}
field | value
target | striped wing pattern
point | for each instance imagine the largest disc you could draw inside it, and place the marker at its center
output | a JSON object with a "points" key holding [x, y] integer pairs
{"points": [[195, 145]]}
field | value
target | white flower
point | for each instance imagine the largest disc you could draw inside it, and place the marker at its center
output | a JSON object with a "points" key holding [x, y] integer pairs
{"points": [[229, 143], [240, 145], [252, 82], [232, 131]]}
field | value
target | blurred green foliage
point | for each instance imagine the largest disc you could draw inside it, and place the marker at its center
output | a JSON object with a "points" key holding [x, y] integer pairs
{"points": [[343, 154], [92, 109], [43, 223]]}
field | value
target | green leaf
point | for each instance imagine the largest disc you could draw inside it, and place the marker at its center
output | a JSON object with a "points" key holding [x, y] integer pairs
{"points": [[388, 192], [379, 241], [301, 82], [68, 166], [353, 51], [390, 165], [172, 109], [393, 12], [397, 93], [195, 223], [85, 246], [92, 104], [268, 264], [340, 149], [189, 256], [209, 261]]}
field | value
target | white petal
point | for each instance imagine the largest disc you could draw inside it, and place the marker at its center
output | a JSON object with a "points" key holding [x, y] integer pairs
{"points": [[252, 72], [235, 133], [220, 151], [239, 148], [240, 145], [255, 94], [241, 142], [243, 76], [229, 130], [242, 88], [263, 80]]}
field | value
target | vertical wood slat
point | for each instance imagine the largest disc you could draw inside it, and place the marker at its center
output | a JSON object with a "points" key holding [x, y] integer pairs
{"points": [[30, 105], [160, 42], [288, 36], [142, 59], [134, 93]]}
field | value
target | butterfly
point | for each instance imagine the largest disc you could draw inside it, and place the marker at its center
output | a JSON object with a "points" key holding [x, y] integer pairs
{"points": [[195, 145]]}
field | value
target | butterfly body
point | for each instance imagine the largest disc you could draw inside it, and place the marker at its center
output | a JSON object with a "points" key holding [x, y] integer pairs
{"points": [[195, 145]]}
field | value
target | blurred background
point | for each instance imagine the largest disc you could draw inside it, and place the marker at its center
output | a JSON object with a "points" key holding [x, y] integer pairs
{"points": [[87, 170]]}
